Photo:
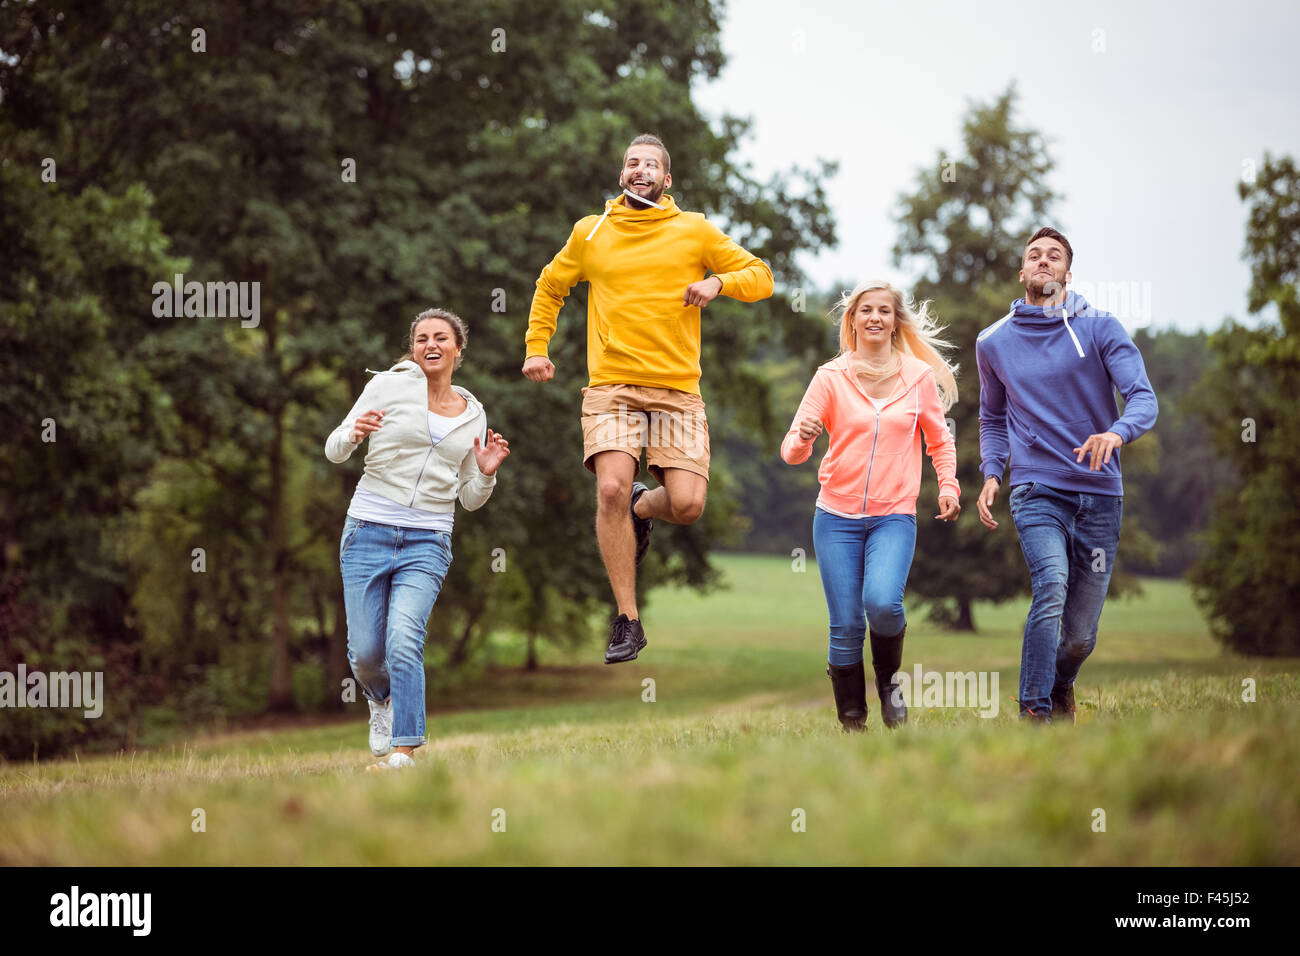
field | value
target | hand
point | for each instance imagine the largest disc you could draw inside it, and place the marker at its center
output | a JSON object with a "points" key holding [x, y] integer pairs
{"points": [[538, 368], [364, 425], [810, 428], [949, 508], [988, 494], [491, 455], [702, 293], [1099, 447]]}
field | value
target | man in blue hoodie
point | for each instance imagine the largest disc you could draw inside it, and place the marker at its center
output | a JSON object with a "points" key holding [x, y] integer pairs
{"points": [[1048, 371]]}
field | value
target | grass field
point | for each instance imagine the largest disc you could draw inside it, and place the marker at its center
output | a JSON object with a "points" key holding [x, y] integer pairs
{"points": [[739, 746]]}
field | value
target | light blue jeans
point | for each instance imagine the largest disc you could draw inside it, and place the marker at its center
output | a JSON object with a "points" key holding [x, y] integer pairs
{"points": [[1069, 540], [391, 577], [864, 563]]}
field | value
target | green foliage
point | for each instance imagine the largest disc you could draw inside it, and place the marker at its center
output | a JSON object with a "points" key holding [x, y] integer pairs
{"points": [[1248, 576], [965, 227], [471, 163], [1169, 498]]}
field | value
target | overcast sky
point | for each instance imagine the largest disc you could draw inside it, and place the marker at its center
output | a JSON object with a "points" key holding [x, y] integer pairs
{"points": [[1150, 135]]}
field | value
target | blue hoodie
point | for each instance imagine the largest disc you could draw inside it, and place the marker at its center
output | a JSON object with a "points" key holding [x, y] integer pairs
{"points": [[1047, 382]]}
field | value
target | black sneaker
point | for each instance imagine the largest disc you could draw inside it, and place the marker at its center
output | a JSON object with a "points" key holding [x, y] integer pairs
{"points": [[625, 641], [1063, 704], [642, 526]]}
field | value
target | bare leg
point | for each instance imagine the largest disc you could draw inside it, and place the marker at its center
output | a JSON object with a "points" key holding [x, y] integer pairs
{"points": [[680, 499], [615, 472]]}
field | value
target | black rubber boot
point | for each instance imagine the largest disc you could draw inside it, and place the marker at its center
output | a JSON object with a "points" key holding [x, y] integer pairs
{"points": [[850, 687], [886, 659]]}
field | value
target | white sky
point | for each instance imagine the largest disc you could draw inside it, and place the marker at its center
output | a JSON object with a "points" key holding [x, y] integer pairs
{"points": [[1149, 136]]}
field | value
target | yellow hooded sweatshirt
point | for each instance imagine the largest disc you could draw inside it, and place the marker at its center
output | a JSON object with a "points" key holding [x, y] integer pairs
{"points": [[638, 263]]}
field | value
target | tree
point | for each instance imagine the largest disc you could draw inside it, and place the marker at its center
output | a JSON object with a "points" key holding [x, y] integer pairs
{"points": [[1250, 570], [1173, 503], [361, 162], [965, 228]]}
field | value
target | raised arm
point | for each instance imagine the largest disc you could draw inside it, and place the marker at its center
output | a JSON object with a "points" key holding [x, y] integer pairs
{"points": [[560, 275], [1129, 374], [474, 488], [744, 276], [939, 442], [994, 446], [338, 447], [795, 448]]}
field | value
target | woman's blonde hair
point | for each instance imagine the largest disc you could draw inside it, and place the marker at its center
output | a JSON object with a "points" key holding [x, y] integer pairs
{"points": [[915, 333]]}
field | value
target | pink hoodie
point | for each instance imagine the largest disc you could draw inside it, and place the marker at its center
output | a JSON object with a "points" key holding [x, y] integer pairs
{"points": [[873, 466]]}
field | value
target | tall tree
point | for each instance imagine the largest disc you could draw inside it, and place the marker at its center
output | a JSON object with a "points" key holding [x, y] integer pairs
{"points": [[964, 229], [362, 161], [1173, 503], [1249, 573]]}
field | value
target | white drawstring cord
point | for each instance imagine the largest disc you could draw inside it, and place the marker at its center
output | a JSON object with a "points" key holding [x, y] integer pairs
{"points": [[1065, 317], [610, 202]]}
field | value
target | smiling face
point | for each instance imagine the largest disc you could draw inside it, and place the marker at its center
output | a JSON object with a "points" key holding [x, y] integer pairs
{"points": [[644, 173], [1045, 270], [874, 317], [433, 346]]}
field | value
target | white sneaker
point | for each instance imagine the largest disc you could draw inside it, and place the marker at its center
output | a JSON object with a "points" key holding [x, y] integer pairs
{"points": [[396, 761], [381, 727]]}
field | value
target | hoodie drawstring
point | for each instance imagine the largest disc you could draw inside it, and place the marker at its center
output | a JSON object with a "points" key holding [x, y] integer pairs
{"points": [[607, 204], [610, 202], [1065, 317]]}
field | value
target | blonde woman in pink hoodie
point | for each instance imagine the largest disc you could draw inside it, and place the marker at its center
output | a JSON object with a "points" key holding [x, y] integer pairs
{"points": [[889, 385]]}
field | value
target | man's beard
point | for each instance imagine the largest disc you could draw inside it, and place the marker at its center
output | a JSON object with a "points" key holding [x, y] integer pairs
{"points": [[656, 191], [1044, 285]]}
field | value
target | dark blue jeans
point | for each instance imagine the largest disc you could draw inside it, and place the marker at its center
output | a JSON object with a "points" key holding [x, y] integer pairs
{"points": [[1069, 541], [864, 564]]}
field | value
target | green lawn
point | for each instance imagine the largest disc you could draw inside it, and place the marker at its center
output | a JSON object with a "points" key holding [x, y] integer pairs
{"points": [[740, 742]]}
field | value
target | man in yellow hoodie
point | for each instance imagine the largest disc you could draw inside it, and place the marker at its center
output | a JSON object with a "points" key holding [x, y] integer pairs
{"points": [[646, 262]]}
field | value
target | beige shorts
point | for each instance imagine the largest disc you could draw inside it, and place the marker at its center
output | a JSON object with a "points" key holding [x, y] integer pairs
{"points": [[669, 424]]}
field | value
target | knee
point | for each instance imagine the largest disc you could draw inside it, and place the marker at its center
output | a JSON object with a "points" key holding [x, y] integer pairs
{"points": [[1076, 643], [1049, 590], [884, 613], [613, 494], [367, 663], [687, 511]]}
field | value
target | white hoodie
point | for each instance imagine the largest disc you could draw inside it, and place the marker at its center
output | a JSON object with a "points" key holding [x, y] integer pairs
{"points": [[402, 463]]}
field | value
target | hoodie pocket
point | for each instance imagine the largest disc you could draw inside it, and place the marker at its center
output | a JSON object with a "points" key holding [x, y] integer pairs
{"points": [[1058, 440], [644, 343]]}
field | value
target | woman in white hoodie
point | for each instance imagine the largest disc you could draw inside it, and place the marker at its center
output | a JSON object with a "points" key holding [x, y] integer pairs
{"points": [[429, 446]]}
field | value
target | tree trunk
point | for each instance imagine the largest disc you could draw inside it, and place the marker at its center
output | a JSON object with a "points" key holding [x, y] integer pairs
{"points": [[531, 663], [460, 653], [965, 619], [281, 694]]}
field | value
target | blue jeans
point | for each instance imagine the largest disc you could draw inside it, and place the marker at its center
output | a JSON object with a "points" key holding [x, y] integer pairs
{"points": [[864, 564], [391, 577], [1069, 541]]}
